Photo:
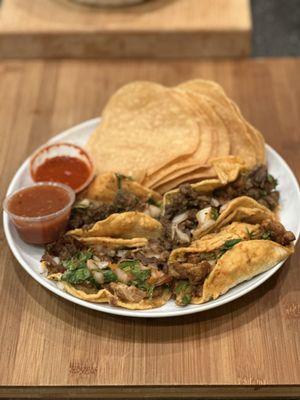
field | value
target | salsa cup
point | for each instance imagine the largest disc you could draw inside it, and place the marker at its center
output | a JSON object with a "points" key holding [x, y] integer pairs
{"points": [[44, 228]]}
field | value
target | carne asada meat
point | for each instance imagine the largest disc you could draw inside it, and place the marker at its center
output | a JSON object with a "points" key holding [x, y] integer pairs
{"points": [[195, 271], [88, 212], [257, 184], [275, 231]]}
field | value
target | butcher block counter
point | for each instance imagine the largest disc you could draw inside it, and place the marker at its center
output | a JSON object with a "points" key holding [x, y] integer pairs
{"points": [[55, 349]]}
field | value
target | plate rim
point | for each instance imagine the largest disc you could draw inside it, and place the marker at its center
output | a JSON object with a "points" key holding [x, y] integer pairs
{"points": [[191, 309]]}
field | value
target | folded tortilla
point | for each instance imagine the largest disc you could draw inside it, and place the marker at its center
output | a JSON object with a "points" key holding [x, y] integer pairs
{"points": [[105, 296], [104, 188], [241, 263], [132, 225], [229, 266], [241, 209]]}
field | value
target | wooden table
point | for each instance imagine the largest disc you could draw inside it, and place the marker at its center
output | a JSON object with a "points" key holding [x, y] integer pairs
{"points": [[157, 28], [53, 348]]}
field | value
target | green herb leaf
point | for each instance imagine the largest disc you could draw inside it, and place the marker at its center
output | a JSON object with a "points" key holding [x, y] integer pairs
{"points": [[214, 213], [134, 267], [266, 235], [153, 202], [76, 276], [181, 286], [272, 180], [109, 276], [186, 299], [228, 245], [250, 234], [263, 193], [120, 178]]}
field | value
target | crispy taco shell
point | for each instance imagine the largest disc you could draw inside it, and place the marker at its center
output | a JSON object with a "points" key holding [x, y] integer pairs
{"points": [[244, 261], [115, 243], [243, 209], [127, 225], [105, 296], [104, 188]]}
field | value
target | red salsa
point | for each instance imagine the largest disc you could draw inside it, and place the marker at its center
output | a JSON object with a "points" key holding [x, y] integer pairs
{"points": [[64, 169], [40, 213]]}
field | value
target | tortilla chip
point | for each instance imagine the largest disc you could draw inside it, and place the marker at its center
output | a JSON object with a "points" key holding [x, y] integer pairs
{"points": [[241, 263], [257, 137], [241, 209], [126, 225], [213, 140], [241, 141], [104, 188], [139, 122]]}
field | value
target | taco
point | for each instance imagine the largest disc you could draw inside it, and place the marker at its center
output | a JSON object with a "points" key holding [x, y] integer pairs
{"points": [[112, 193], [127, 225], [220, 261], [94, 274], [242, 208]]}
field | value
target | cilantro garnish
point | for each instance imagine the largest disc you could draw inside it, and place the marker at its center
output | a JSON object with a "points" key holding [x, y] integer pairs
{"points": [[214, 213], [120, 178]]}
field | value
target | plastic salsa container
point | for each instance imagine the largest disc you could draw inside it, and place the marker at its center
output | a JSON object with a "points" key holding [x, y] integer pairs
{"points": [[40, 212], [63, 163]]}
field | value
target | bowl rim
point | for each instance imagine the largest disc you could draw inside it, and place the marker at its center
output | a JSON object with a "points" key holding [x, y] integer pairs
{"points": [[87, 156], [41, 218]]}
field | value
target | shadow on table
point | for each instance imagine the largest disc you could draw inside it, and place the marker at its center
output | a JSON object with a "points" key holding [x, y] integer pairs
{"points": [[211, 323]]}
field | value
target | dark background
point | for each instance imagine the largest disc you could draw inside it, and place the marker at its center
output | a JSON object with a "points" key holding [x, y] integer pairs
{"points": [[276, 28]]}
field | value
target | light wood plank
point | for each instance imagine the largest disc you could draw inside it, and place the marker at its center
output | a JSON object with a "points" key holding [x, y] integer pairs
{"points": [[46, 341]]}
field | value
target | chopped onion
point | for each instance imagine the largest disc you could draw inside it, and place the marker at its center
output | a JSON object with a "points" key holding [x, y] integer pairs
{"points": [[183, 237], [204, 218], [98, 276], [215, 202], [56, 260], [122, 276], [154, 211], [180, 218], [121, 253]]}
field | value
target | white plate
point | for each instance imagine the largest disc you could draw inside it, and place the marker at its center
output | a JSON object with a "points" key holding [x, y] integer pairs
{"points": [[29, 256]]}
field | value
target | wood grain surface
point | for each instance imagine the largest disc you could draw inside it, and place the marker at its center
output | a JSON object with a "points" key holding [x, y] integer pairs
{"points": [[52, 347], [158, 28]]}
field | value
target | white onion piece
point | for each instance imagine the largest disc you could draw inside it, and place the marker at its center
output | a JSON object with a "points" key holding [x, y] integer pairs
{"points": [[102, 264], [182, 236], [122, 276], [56, 260], [121, 253], [174, 227], [180, 218], [98, 276], [154, 211], [215, 202], [204, 218]]}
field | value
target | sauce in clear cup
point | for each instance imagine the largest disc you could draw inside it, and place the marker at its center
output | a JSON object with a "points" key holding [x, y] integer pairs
{"points": [[40, 212]]}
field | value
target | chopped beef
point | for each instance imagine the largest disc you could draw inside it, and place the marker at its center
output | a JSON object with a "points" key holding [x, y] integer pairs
{"points": [[52, 265], [127, 293], [83, 217], [187, 198], [257, 184], [195, 270], [65, 247], [275, 231]]}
